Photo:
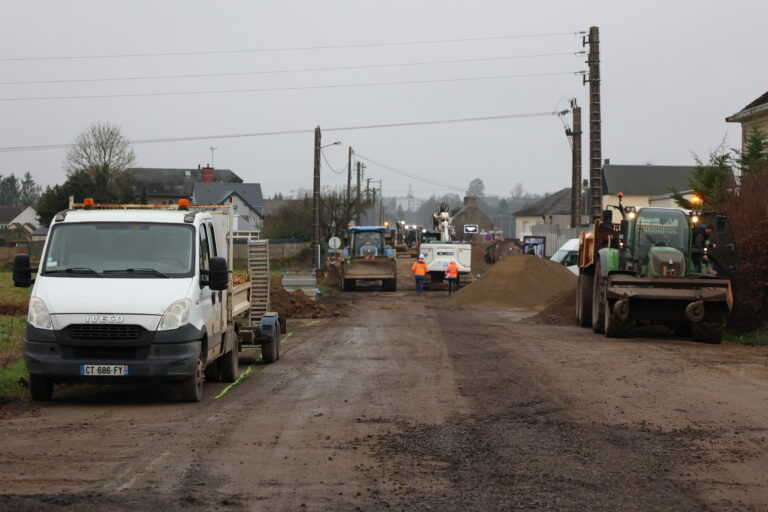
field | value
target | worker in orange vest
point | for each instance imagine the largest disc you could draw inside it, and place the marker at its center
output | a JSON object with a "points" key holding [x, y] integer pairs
{"points": [[452, 275], [419, 270]]}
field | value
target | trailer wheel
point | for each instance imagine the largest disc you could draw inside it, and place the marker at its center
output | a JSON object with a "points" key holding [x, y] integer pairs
{"points": [[349, 285], [584, 300], [270, 350], [598, 301], [40, 388], [229, 364], [192, 386], [708, 332]]}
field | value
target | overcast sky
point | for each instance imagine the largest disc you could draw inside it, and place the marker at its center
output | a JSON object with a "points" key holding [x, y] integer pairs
{"points": [[672, 71]]}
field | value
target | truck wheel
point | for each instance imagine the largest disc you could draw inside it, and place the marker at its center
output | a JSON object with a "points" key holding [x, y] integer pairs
{"points": [[41, 388], [270, 350], [349, 285], [615, 328], [598, 306], [213, 372], [230, 363], [584, 300], [708, 332], [192, 386]]}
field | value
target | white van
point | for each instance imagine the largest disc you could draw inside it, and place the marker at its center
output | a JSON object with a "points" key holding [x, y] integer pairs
{"points": [[568, 255], [132, 295]]}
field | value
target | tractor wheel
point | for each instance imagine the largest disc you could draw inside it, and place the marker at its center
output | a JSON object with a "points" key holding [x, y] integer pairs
{"points": [[584, 300], [615, 328], [598, 300], [708, 332], [349, 285]]}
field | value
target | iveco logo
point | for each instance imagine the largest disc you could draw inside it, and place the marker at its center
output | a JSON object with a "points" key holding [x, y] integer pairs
{"points": [[445, 253], [104, 319]]}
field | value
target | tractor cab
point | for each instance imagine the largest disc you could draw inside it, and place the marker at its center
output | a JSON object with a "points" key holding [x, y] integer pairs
{"points": [[660, 242], [367, 242]]}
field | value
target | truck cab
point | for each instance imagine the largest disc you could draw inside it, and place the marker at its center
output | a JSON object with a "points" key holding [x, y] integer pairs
{"points": [[131, 295]]}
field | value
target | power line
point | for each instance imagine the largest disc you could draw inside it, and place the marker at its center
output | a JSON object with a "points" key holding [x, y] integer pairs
{"points": [[329, 163], [296, 88], [411, 175], [293, 132], [287, 49], [283, 71]]}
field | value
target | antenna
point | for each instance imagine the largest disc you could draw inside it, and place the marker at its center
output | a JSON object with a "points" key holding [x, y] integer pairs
{"points": [[212, 150]]}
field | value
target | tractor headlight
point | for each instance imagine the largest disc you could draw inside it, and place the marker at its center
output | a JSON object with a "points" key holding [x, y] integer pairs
{"points": [[37, 315], [175, 316]]}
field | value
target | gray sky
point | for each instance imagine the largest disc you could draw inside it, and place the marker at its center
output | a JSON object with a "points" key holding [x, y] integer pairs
{"points": [[672, 71]]}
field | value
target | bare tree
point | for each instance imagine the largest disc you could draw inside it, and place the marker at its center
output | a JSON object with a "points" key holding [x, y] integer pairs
{"points": [[102, 149]]}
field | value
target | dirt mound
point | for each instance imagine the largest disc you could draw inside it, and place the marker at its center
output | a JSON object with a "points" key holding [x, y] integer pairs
{"points": [[13, 308], [295, 304], [560, 311], [517, 281]]}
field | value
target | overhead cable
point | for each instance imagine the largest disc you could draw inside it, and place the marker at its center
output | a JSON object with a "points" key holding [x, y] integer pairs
{"points": [[285, 49], [275, 89]]}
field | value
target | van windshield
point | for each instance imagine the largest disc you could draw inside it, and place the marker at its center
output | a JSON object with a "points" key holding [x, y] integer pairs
{"points": [[119, 249]]}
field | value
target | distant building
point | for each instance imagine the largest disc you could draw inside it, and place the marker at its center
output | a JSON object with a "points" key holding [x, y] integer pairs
{"points": [[26, 218], [641, 183], [247, 201], [167, 186], [552, 209], [8, 214], [471, 214], [407, 204], [754, 115]]}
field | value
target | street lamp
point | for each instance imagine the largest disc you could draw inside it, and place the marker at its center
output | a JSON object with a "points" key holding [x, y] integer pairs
{"points": [[316, 197]]}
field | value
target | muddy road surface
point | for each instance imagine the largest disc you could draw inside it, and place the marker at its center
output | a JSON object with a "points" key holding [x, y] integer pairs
{"points": [[403, 404]]}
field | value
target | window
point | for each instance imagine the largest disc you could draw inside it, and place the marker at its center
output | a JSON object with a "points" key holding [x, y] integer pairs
{"points": [[205, 253]]}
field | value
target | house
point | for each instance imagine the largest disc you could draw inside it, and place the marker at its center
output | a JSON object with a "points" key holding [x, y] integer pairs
{"points": [[27, 218], [8, 214], [754, 115], [40, 234], [641, 183], [471, 214], [167, 186], [247, 201], [552, 209]]}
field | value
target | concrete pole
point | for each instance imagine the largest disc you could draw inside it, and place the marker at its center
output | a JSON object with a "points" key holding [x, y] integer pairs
{"points": [[316, 203], [595, 135], [576, 167]]}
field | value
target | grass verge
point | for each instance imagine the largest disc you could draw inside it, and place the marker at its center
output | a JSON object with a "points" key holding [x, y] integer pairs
{"points": [[11, 378], [758, 337], [9, 293]]}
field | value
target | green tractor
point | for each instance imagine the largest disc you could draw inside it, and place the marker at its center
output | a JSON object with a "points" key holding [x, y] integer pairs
{"points": [[646, 269]]}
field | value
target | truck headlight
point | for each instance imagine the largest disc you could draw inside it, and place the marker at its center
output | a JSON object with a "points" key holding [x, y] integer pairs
{"points": [[37, 315], [175, 316]]}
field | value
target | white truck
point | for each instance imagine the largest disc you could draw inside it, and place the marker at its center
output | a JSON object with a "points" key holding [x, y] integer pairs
{"points": [[440, 247], [138, 293]]}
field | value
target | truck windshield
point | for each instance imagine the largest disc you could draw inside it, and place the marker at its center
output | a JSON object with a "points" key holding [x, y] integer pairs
{"points": [[656, 227], [119, 249], [367, 243]]}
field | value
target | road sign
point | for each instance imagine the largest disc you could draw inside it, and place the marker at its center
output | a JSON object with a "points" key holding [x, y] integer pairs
{"points": [[488, 237], [471, 229], [334, 243]]}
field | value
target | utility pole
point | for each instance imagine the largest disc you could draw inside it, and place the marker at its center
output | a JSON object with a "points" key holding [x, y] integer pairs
{"points": [[576, 165], [381, 205], [316, 203], [595, 137], [349, 181], [357, 202]]}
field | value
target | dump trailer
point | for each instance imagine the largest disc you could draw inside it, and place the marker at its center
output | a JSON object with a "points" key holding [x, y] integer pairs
{"points": [[367, 257], [646, 269], [141, 293]]}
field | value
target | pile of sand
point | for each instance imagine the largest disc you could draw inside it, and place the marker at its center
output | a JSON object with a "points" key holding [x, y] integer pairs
{"points": [[295, 304], [561, 310], [517, 281]]}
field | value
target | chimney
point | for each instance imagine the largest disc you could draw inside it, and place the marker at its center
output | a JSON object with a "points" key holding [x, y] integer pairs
{"points": [[207, 174]]}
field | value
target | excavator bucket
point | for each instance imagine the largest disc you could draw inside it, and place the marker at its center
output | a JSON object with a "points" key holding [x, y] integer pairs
{"points": [[373, 268]]}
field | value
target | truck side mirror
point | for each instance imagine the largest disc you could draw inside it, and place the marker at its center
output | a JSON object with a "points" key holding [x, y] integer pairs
{"points": [[22, 273], [218, 275]]}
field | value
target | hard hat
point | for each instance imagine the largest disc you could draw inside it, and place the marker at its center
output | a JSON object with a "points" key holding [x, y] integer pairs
{"points": [[421, 256]]}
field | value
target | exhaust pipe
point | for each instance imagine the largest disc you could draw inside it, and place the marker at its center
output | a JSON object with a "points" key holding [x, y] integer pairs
{"points": [[694, 311]]}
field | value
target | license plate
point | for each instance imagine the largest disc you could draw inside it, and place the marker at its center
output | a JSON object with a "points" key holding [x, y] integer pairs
{"points": [[103, 370]]}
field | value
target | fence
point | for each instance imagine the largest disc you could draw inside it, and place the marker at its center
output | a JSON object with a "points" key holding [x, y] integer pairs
{"points": [[7, 254], [556, 235]]}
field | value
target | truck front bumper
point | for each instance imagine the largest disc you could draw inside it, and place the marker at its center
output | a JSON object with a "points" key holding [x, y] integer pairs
{"points": [[173, 357]]}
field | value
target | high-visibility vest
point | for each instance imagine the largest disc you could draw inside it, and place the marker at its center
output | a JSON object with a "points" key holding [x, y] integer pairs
{"points": [[419, 268], [452, 270]]}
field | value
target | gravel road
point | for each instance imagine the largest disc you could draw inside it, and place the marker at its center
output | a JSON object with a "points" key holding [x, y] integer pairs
{"points": [[404, 404]]}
